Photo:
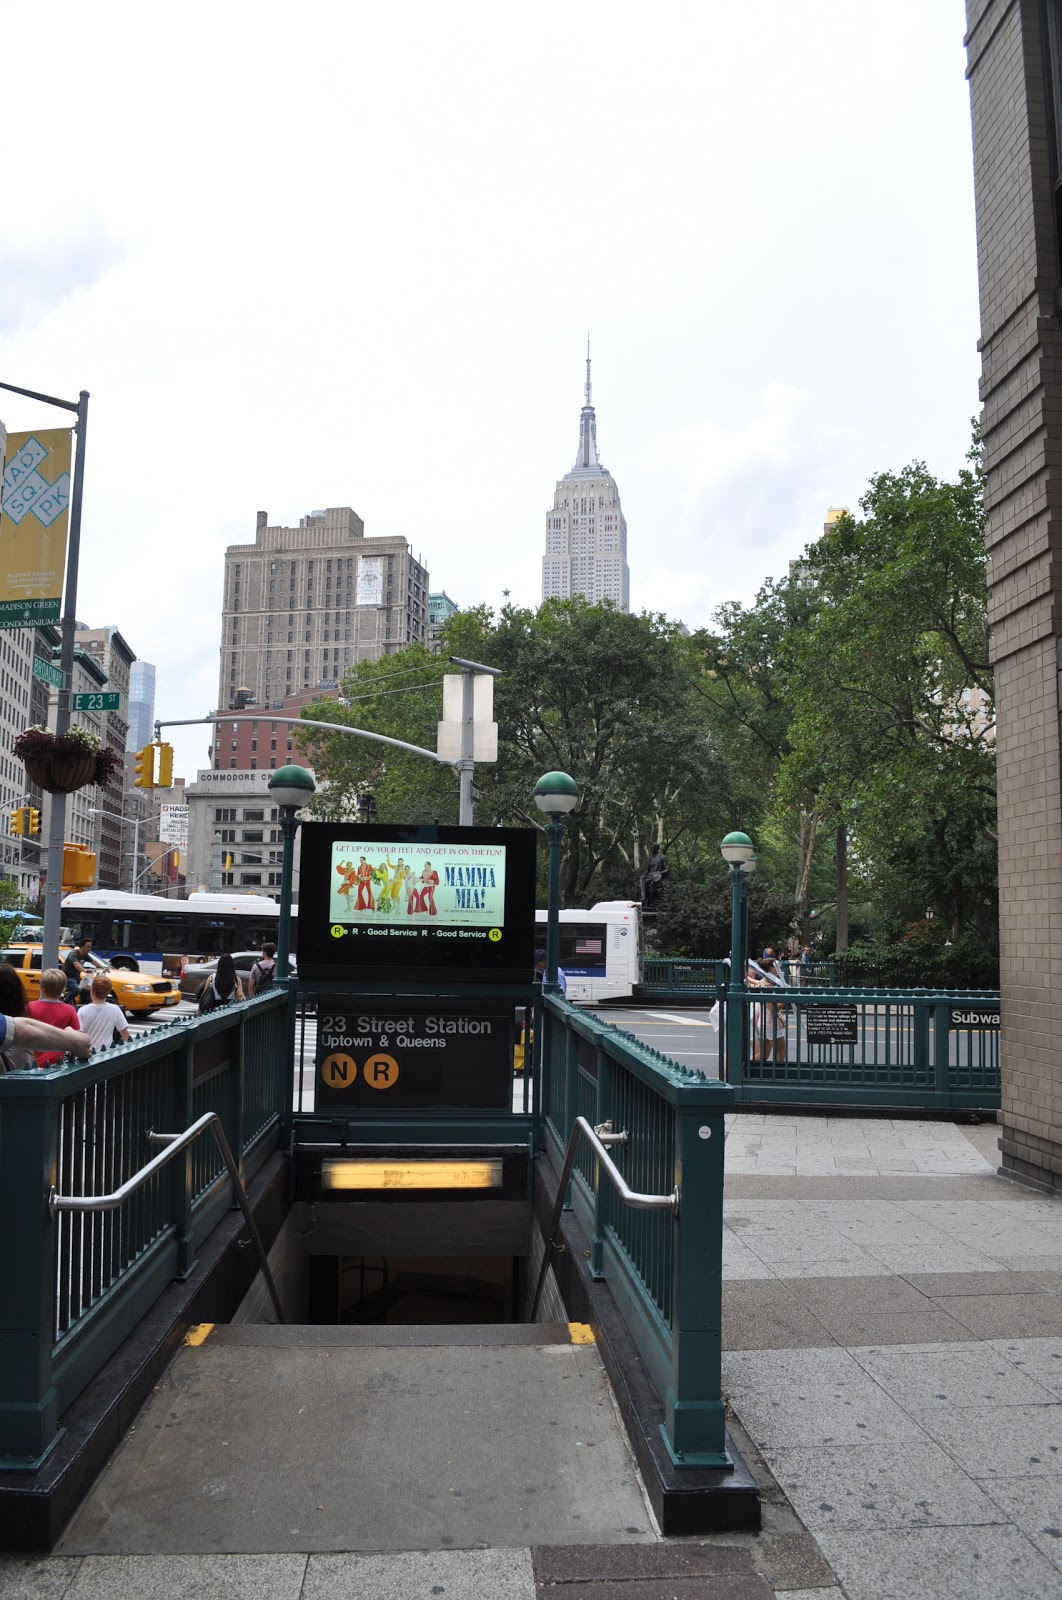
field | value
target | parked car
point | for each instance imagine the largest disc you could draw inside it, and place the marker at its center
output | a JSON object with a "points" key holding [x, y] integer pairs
{"points": [[138, 993], [196, 974]]}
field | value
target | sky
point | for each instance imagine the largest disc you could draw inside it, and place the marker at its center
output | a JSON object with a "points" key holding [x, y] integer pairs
{"points": [[349, 254]]}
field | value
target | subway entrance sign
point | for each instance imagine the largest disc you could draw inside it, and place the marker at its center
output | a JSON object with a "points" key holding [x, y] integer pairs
{"points": [[402, 1054]]}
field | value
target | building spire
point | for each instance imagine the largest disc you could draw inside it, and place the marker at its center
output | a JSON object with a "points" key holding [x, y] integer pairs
{"points": [[587, 459]]}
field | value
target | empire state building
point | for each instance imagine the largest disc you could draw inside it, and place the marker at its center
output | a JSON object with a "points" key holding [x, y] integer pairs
{"points": [[586, 533]]}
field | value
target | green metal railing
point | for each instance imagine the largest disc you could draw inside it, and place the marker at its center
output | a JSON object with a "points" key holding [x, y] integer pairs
{"points": [[888, 1047], [75, 1283], [663, 1268], [674, 975]]}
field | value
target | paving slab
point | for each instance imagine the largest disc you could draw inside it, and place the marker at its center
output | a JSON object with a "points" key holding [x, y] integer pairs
{"points": [[985, 1563], [369, 1449], [1000, 1441], [940, 1284], [1034, 1505], [421, 1575], [811, 1397], [766, 1315], [36, 1578], [203, 1577], [860, 1487], [727, 1586], [996, 1316], [951, 1376], [1039, 1359], [683, 1558]]}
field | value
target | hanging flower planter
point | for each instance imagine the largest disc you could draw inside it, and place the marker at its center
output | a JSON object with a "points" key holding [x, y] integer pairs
{"points": [[61, 763]]}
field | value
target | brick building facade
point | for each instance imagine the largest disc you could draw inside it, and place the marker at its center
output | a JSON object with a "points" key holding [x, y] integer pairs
{"points": [[1015, 74]]}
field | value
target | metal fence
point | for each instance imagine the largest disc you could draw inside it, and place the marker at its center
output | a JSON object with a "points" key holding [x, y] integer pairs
{"points": [[664, 1271], [910, 1048], [74, 1285]]}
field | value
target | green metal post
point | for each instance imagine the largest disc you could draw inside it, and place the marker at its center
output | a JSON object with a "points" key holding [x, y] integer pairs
{"points": [[288, 825], [181, 1166], [941, 1053], [735, 1010], [920, 1031], [29, 1413], [694, 1429], [555, 835], [603, 1195]]}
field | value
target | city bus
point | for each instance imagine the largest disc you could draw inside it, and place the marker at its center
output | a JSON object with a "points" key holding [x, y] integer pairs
{"points": [[149, 933], [600, 950]]}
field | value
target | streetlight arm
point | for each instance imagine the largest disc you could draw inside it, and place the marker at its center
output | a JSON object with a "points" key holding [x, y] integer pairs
{"points": [[307, 722], [47, 399]]}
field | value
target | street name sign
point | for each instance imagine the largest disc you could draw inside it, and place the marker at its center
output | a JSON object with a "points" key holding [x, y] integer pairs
{"points": [[96, 702], [47, 673]]}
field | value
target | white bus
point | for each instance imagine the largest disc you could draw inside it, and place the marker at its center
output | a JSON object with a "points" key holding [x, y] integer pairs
{"points": [[600, 949], [149, 933]]}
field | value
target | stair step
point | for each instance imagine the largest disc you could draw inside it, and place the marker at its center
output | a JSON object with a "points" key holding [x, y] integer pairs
{"points": [[300, 1336]]}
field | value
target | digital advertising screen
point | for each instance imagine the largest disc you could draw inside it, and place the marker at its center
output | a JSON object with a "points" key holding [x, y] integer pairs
{"points": [[416, 900]]}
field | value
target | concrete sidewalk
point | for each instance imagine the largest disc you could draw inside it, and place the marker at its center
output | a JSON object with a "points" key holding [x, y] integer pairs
{"points": [[893, 1337], [893, 1329]]}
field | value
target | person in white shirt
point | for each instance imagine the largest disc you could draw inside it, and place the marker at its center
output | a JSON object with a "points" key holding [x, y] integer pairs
{"points": [[101, 1018]]}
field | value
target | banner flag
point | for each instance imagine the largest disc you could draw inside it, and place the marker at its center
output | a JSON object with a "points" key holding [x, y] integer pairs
{"points": [[34, 516]]}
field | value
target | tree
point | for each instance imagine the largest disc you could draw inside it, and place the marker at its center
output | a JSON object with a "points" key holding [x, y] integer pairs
{"points": [[891, 694], [400, 696], [745, 683], [586, 689]]}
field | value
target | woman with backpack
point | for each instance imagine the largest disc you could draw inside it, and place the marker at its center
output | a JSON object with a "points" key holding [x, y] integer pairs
{"points": [[223, 988]]}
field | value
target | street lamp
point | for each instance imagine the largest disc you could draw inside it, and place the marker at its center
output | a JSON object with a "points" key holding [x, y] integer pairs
{"points": [[98, 811], [291, 788], [555, 795], [739, 853]]}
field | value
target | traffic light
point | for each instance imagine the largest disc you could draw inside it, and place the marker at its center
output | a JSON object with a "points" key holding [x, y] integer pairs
{"points": [[34, 820], [165, 777], [144, 767], [79, 866], [18, 820], [228, 863]]}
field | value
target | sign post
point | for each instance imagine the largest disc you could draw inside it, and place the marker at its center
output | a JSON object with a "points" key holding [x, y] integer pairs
{"points": [[53, 889]]}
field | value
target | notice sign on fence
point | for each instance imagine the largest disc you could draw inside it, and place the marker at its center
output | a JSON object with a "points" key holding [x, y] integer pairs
{"points": [[832, 1024], [397, 1056], [978, 1016]]}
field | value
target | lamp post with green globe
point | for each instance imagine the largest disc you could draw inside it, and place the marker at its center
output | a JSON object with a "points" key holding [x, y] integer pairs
{"points": [[739, 853], [291, 788], [555, 795]]}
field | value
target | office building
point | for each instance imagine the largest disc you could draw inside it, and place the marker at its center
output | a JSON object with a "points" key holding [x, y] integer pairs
{"points": [[141, 706], [440, 609], [267, 740], [586, 531], [106, 649], [303, 604], [1015, 72], [234, 839]]}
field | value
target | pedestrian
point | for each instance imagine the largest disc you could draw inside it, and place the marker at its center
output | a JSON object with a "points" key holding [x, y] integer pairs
{"points": [[74, 969], [20, 1034], [100, 1018], [224, 987], [51, 1007], [264, 971]]}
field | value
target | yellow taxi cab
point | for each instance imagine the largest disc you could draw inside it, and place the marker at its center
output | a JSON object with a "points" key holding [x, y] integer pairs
{"points": [[138, 993]]}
